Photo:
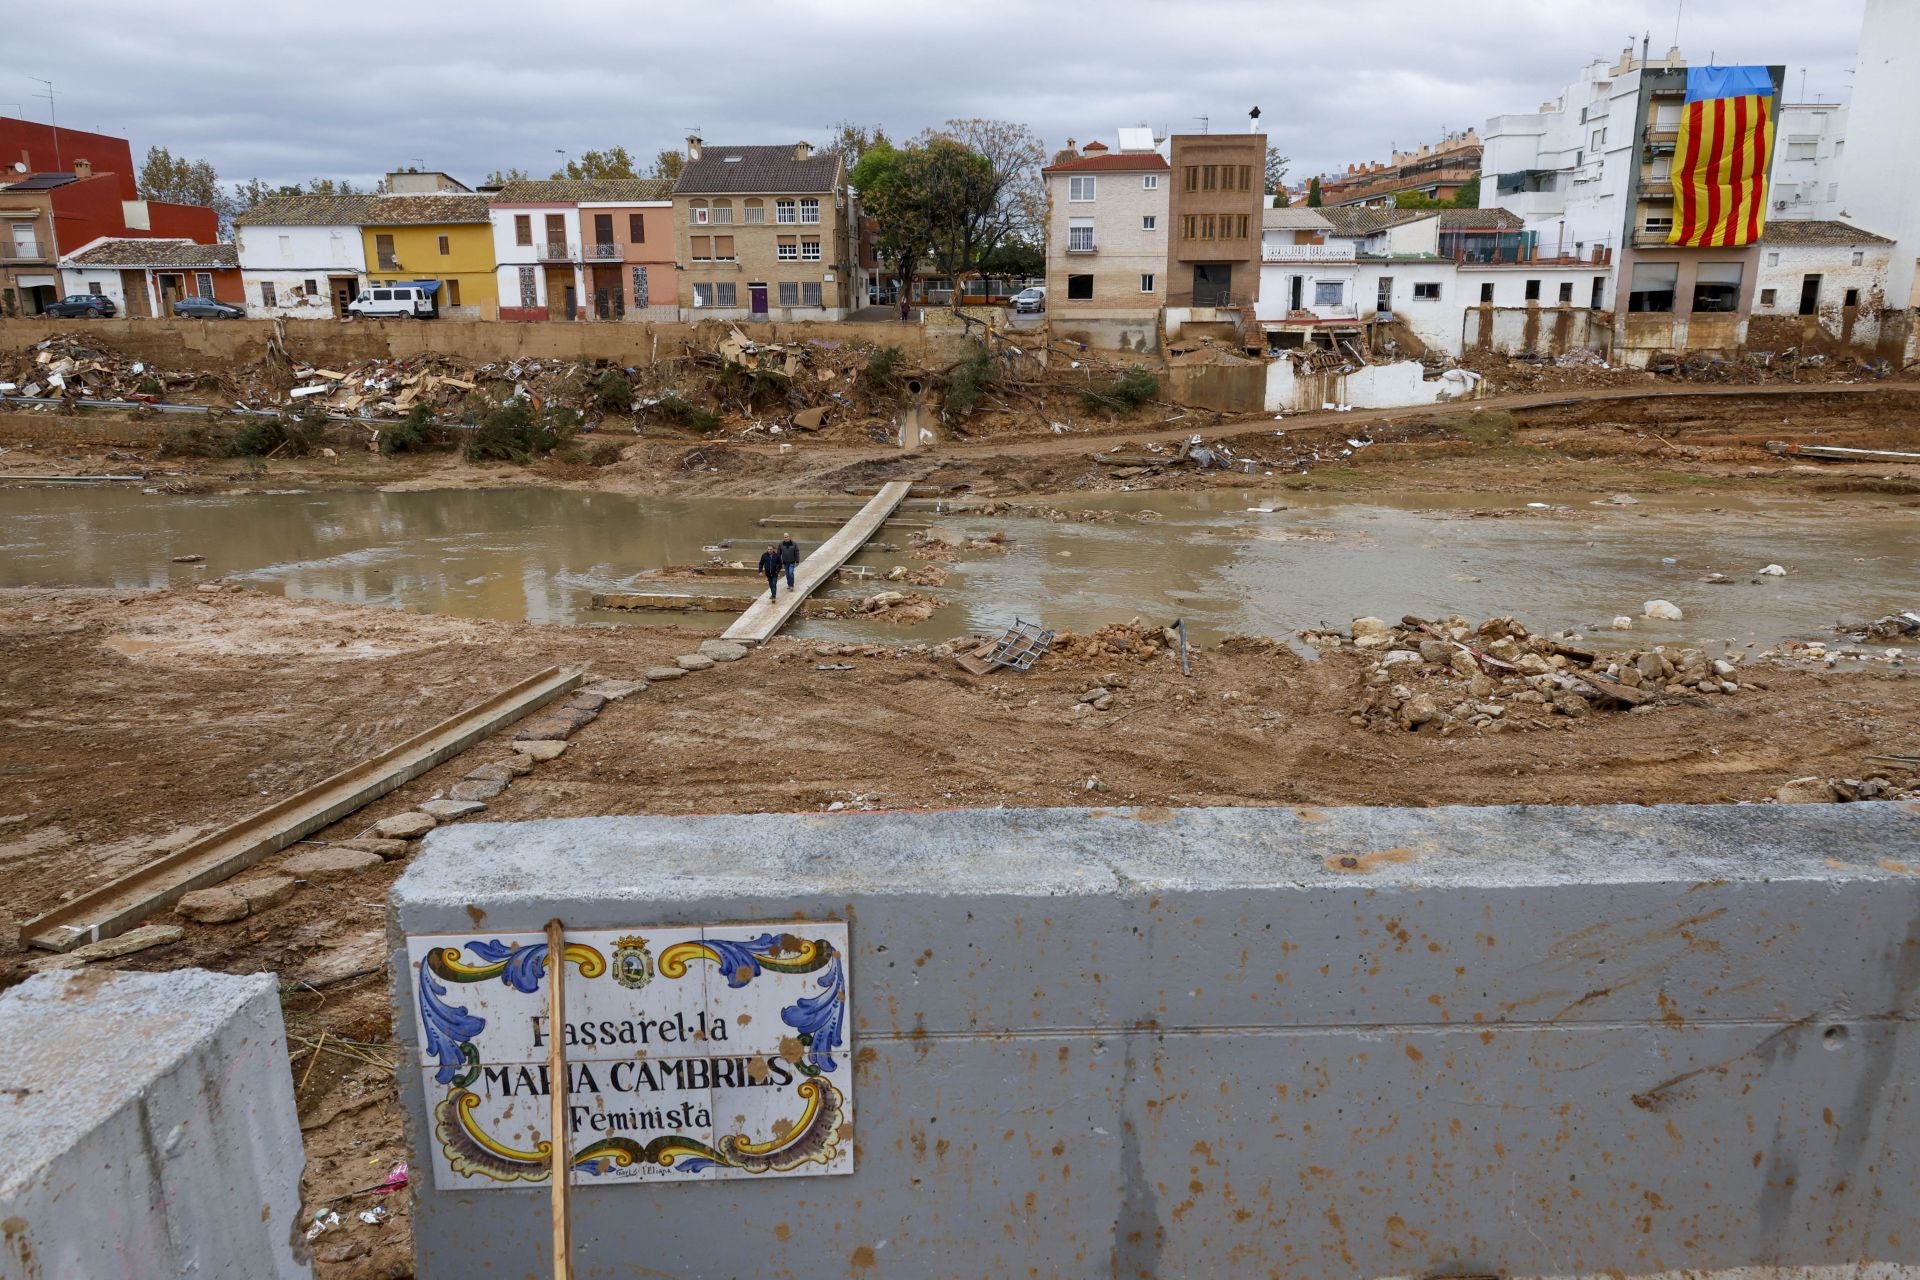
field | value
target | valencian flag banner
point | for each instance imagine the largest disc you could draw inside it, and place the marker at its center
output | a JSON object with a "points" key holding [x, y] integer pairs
{"points": [[1720, 159]]}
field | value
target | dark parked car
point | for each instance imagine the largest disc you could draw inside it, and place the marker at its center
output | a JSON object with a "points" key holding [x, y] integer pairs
{"points": [[82, 304], [208, 309]]}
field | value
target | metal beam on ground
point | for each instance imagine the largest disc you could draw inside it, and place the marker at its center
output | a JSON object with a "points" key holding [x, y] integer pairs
{"points": [[766, 616], [119, 904]]}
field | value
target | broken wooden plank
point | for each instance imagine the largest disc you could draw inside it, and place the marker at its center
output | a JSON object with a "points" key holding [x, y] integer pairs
{"points": [[116, 906]]}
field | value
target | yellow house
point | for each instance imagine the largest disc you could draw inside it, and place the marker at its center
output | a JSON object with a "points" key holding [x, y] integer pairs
{"points": [[448, 238]]}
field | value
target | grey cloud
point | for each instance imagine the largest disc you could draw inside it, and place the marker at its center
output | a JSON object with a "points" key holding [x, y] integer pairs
{"points": [[350, 88]]}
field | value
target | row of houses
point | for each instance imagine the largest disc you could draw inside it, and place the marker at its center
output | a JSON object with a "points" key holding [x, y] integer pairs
{"points": [[1573, 243], [766, 232]]}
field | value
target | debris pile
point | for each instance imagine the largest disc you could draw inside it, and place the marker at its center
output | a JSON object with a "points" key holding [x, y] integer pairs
{"points": [[61, 368], [940, 543], [1134, 639], [1445, 676]]}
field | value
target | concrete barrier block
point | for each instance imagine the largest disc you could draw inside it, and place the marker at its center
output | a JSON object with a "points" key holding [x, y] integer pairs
{"points": [[1516, 1041], [149, 1128]]}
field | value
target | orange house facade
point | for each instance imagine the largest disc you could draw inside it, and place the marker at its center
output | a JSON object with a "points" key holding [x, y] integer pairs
{"points": [[596, 249]]}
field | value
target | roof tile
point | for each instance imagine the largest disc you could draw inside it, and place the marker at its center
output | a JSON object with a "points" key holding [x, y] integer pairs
{"points": [[364, 211], [1120, 162], [763, 170], [1818, 231], [130, 252], [570, 189]]}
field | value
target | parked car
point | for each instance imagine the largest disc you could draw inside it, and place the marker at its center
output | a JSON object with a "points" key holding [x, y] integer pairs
{"points": [[396, 300], [1030, 300], [208, 309], [83, 304]]}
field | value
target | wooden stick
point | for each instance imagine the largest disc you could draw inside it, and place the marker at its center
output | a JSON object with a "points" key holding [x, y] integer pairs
{"points": [[557, 1099]]}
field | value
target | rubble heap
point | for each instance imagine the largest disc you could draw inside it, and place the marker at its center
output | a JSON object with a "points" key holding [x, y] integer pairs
{"points": [[1446, 676], [1134, 639]]}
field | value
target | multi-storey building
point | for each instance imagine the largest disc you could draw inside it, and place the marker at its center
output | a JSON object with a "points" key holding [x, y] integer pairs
{"points": [[1213, 228], [1593, 174], [444, 240], [764, 233], [1879, 179], [1107, 242], [595, 249]]}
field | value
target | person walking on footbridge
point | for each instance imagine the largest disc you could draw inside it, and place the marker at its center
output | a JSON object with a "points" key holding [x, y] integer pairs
{"points": [[789, 556], [770, 566]]}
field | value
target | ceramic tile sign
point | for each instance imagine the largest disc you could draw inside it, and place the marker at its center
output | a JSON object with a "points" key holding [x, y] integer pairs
{"points": [[692, 1054]]}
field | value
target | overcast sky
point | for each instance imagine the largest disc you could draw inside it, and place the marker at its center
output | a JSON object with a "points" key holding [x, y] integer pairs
{"points": [[350, 88]]}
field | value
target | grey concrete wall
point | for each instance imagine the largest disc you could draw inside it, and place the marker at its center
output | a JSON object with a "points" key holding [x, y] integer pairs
{"points": [[1514, 1041], [148, 1127]]}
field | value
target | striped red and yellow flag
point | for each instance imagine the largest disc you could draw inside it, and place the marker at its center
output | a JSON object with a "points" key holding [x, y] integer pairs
{"points": [[1721, 158]]}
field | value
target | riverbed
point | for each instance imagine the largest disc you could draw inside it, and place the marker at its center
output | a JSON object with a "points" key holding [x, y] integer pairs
{"points": [[1251, 561]]}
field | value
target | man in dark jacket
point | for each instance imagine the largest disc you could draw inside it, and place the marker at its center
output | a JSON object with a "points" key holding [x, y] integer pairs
{"points": [[770, 566], [789, 556]]}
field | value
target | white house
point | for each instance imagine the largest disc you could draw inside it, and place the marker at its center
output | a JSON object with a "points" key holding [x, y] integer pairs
{"points": [[1879, 179], [1107, 241], [1303, 271], [1821, 283], [303, 256]]}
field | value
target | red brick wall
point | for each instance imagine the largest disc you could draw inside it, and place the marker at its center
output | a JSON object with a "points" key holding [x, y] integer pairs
{"points": [[84, 211], [181, 222]]}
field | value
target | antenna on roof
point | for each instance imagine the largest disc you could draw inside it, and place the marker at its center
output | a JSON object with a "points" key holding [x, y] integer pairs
{"points": [[1203, 122]]}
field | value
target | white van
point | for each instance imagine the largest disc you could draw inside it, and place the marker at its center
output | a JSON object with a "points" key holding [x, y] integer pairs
{"points": [[397, 300]]}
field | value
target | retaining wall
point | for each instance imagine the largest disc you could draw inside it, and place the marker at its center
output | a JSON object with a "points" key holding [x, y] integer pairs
{"points": [[342, 343], [1521, 1042], [149, 1129]]}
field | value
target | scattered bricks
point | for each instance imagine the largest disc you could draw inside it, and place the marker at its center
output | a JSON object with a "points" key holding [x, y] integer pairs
{"points": [[471, 791], [447, 810], [330, 863], [541, 749], [693, 662], [405, 826], [388, 849], [265, 891], [614, 690], [656, 674], [554, 725], [586, 700], [145, 937], [495, 772], [219, 905], [723, 650], [517, 766]]}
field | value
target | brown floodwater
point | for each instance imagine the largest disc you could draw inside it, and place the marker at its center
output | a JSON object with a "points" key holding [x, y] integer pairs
{"points": [[1253, 561]]}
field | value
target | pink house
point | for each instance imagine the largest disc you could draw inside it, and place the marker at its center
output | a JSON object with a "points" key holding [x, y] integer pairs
{"points": [[596, 249]]}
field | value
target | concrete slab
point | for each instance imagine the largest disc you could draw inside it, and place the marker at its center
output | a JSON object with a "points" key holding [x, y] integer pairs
{"points": [[1514, 1041], [149, 1127]]}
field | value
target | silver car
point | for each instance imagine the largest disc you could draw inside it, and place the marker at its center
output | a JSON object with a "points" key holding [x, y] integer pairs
{"points": [[1030, 300]]}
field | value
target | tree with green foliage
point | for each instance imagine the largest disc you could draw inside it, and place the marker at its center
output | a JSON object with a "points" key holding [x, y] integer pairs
{"points": [[614, 162], [164, 176], [500, 179], [1277, 172], [1314, 200], [1468, 196], [668, 164], [901, 236], [980, 183]]}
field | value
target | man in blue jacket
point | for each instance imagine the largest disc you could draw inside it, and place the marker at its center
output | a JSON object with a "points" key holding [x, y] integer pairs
{"points": [[770, 566]]}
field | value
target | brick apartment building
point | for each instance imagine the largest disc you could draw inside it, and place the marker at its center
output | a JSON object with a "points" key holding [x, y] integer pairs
{"points": [[1213, 234]]}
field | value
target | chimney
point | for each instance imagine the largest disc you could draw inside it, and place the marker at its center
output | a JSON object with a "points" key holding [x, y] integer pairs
{"points": [[693, 146], [801, 150], [1072, 145], [83, 168]]}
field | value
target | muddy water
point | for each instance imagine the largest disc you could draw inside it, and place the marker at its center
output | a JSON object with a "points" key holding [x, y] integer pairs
{"points": [[1215, 559]]}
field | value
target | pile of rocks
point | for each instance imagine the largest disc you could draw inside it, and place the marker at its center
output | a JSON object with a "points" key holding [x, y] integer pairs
{"points": [[1134, 639], [1442, 677]]}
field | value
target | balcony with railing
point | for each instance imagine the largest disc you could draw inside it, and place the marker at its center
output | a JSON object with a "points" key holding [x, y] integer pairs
{"points": [[603, 252], [1306, 253], [1651, 237], [1082, 248], [554, 251], [25, 251]]}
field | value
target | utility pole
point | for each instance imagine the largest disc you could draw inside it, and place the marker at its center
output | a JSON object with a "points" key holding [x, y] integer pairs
{"points": [[53, 116]]}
